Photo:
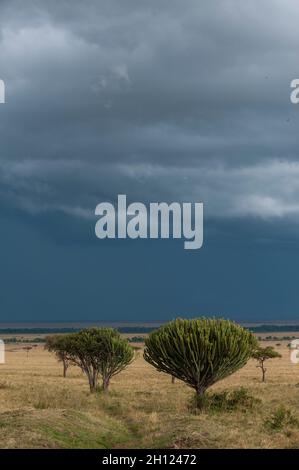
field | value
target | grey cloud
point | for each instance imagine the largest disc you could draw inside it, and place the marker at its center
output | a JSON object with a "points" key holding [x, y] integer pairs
{"points": [[172, 100]]}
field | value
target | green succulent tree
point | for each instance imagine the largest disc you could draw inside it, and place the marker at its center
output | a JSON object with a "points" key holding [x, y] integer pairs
{"points": [[99, 352], [200, 351], [262, 355]]}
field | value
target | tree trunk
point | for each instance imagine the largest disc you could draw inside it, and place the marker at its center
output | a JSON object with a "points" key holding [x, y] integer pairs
{"points": [[65, 367], [106, 382], [93, 381], [91, 385], [264, 374], [200, 397]]}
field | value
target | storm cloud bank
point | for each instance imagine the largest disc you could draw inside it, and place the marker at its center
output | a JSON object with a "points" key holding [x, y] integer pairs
{"points": [[161, 100], [158, 100]]}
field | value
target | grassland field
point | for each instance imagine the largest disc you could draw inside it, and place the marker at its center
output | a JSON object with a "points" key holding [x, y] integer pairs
{"points": [[41, 409]]}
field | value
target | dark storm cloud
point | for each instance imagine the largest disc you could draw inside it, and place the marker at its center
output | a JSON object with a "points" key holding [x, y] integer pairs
{"points": [[164, 100], [161, 100]]}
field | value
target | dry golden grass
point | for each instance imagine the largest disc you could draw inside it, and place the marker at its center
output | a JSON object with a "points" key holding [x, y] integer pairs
{"points": [[38, 408]]}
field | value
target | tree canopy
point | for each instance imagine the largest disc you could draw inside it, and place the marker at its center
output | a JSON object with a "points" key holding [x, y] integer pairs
{"points": [[199, 351]]}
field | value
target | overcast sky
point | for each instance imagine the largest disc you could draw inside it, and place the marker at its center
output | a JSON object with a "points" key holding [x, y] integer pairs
{"points": [[162, 100]]}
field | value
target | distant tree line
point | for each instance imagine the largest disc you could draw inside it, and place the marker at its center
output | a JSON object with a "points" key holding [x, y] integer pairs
{"points": [[24, 340], [54, 330], [273, 328], [14, 340], [137, 329], [276, 338]]}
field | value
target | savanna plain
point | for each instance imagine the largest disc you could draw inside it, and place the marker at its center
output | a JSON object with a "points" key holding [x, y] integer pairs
{"points": [[144, 409]]}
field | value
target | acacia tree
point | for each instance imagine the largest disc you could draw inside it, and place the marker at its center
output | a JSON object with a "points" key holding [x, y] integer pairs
{"points": [[200, 351], [58, 344], [99, 352], [262, 355], [27, 349]]}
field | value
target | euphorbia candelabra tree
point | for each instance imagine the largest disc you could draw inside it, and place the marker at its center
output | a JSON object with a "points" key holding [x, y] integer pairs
{"points": [[200, 352]]}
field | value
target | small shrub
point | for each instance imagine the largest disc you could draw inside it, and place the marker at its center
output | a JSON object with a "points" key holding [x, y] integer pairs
{"points": [[4, 385], [226, 401], [281, 418]]}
